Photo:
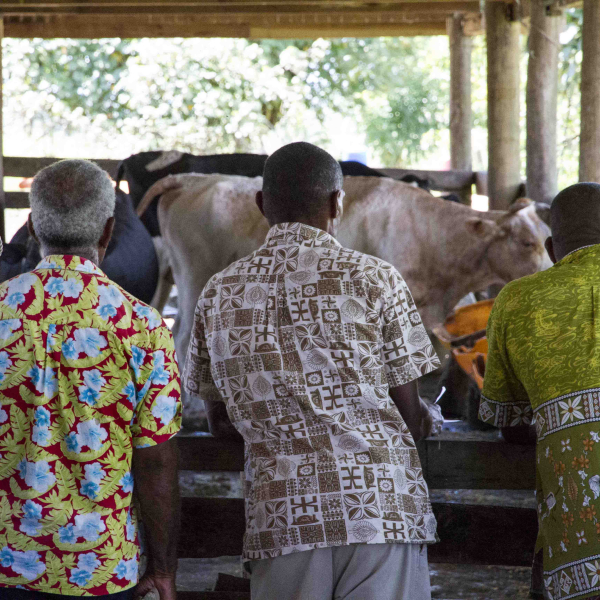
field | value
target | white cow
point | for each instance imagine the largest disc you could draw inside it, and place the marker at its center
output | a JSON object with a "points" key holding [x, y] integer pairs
{"points": [[443, 250]]}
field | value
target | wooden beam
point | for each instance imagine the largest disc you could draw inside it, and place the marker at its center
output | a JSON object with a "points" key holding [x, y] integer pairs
{"points": [[25, 166], [460, 98], [542, 84], [2, 194], [503, 57], [589, 146], [212, 527], [16, 200], [449, 461], [190, 26]]}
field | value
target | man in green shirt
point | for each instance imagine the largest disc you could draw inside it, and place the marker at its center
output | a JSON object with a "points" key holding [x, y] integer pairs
{"points": [[543, 369]]}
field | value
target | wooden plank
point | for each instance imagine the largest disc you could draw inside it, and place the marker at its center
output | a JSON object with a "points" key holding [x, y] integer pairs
{"points": [[214, 527], [16, 200], [444, 181], [542, 82], [503, 80], [589, 145], [273, 26], [212, 595], [202, 452], [450, 461], [24, 166]]}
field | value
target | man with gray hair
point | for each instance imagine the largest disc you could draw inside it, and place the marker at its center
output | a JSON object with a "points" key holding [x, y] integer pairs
{"points": [[89, 402], [303, 346]]}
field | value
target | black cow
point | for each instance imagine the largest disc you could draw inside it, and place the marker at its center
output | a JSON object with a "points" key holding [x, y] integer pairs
{"points": [[130, 260]]}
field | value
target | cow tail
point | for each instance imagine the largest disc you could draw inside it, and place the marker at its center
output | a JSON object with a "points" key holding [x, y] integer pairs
{"points": [[156, 189]]}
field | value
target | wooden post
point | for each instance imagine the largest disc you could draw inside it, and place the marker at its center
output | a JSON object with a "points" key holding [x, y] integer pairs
{"points": [[2, 202], [589, 145], [460, 98], [503, 55], [542, 81]]}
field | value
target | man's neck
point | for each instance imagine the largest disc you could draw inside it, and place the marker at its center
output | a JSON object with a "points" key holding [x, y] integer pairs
{"points": [[87, 253]]}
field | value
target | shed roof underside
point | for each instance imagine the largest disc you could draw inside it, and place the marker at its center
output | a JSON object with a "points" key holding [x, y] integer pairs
{"points": [[238, 18]]}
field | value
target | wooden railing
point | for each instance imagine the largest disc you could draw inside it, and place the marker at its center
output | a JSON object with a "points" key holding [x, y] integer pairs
{"points": [[213, 527], [460, 182]]}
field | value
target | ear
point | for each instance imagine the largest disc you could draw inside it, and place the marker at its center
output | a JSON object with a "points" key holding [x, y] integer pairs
{"points": [[335, 204], [543, 212], [31, 229], [483, 228], [519, 204], [550, 249], [259, 203], [107, 233]]}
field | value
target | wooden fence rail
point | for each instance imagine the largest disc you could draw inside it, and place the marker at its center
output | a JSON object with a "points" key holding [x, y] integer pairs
{"points": [[446, 181]]}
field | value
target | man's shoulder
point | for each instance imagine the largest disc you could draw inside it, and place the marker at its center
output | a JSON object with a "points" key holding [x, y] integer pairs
{"points": [[368, 262]]}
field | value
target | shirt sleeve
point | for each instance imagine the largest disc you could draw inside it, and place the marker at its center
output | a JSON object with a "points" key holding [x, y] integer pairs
{"points": [[407, 352], [504, 400], [157, 416], [197, 372]]}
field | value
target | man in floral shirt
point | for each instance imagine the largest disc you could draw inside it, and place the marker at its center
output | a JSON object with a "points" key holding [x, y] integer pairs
{"points": [[315, 349], [544, 363], [89, 397]]}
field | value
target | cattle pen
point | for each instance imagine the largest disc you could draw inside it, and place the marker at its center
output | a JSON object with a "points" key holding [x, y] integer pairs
{"points": [[457, 458]]}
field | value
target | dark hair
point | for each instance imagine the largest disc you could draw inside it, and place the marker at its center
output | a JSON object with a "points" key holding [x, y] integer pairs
{"points": [[298, 182]]}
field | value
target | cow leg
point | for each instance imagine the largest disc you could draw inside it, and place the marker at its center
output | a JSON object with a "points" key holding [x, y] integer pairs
{"points": [[165, 276]]}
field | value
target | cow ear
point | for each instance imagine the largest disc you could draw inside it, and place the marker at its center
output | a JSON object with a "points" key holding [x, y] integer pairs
{"points": [[543, 212], [483, 227], [519, 204]]}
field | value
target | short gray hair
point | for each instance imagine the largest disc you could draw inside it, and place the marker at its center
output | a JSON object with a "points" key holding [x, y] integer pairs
{"points": [[71, 201]]}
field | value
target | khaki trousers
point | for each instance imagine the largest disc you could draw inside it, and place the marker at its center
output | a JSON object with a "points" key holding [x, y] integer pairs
{"points": [[358, 572]]}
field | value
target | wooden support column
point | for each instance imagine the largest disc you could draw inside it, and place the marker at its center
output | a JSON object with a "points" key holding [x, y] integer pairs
{"points": [[589, 146], [2, 199], [542, 81], [503, 55], [460, 98]]}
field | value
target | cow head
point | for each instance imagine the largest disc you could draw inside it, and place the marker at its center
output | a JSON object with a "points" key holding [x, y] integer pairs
{"points": [[516, 241]]}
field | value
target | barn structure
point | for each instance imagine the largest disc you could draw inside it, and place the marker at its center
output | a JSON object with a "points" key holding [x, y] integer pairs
{"points": [[453, 460]]}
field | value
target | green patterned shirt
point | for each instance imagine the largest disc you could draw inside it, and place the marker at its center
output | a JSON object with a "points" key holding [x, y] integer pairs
{"points": [[544, 362]]}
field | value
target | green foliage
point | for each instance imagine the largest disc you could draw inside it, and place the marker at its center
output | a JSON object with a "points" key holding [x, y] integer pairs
{"points": [[234, 95]]}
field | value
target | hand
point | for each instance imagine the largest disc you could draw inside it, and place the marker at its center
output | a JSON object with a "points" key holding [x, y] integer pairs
{"points": [[427, 420], [164, 585]]}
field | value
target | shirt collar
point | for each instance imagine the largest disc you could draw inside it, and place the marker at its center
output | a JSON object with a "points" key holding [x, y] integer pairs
{"points": [[287, 234], [69, 262], [581, 255]]}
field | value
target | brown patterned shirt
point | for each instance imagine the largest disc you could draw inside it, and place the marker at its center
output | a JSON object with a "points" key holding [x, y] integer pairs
{"points": [[303, 339]]}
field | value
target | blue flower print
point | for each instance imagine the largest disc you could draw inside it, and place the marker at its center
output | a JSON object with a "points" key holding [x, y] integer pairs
{"points": [[22, 283], [5, 364], [30, 527], [55, 286], [127, 482], [89, 489], [72, 288], [88, 562], [160, 375], [37, 378], [127, 569], [46, 264], [50, 341], [106, 311], [37, 475], [137, 359], [72, 442], [88, 396], [50, 383], [129, 529], [145, 312], [66, 534], [109, 295], [28, 564], [144, 391], [42, 416], [164, 409], [94, 380], [89, 341], [15, 299], [32, 510], [91, 434], [41, 435], [6, 557], [80, 577], [3, 416], [88, 267], [89, 526], [94, 472], [69, 351], [129, 391], [7, 326]]}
